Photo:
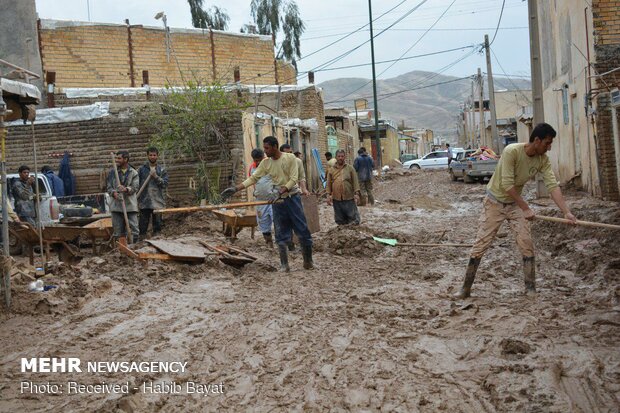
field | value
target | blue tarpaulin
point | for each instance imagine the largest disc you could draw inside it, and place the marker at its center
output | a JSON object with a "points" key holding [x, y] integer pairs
{"points": [[319, 166]]}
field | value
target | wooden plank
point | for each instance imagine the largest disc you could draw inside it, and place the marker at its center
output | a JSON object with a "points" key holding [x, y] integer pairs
{"points": [[311, 211], [179, 250], [162, 257], [101, 223], [434, 245], [211, 207], [123, 248]]}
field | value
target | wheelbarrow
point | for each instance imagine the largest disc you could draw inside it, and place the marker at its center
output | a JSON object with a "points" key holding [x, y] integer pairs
{"points": [[62, 238]]}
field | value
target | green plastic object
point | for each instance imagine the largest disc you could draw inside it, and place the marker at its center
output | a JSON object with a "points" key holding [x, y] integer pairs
{"points": [[388, 241]]}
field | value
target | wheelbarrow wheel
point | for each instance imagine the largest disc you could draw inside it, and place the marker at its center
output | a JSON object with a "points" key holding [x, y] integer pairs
{"points": [[15, 245]]}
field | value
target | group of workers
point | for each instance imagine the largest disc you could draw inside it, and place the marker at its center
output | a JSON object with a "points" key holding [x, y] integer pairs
{"points": [[141, 191]]}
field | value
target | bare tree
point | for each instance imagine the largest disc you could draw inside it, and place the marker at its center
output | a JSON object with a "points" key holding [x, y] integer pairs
{"points": [[213, 18], [272, 15]]}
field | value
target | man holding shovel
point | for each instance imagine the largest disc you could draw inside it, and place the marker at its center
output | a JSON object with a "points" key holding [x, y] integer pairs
{"points": [[124, 193], [288, 214], [519, 163], [153, 183]]}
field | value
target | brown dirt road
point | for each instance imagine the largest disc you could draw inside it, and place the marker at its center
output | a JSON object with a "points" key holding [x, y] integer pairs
{"points": [[374, 328]]}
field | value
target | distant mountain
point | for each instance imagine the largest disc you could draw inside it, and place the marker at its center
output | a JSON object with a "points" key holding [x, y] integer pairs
{"points": [[408, 97]]}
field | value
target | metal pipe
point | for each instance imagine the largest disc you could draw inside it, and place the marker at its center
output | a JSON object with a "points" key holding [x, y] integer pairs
{"points": [[36, 191], [6, 276]]}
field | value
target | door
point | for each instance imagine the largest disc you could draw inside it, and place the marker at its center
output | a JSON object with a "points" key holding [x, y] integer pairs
{"points": [[576, 131]]}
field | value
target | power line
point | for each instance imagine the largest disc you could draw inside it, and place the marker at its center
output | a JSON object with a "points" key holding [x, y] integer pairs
{"points": [[508, 77], [386, 95], [464, 29], [501, 13], [340, 57], [334, 42], [393, 60], [406, 51]]}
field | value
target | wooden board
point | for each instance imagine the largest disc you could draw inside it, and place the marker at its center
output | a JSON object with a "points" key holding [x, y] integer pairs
{"points": [[311, 211], [179, 250], [101, 223]]}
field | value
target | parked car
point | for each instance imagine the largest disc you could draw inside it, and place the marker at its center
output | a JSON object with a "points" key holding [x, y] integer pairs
{"points": [[471, 170], [405, 157], [433, 160]]}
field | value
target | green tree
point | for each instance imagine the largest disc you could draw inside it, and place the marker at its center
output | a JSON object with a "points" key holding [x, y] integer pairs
{"points": [[214, 18], [272, 15], [191, 125]]}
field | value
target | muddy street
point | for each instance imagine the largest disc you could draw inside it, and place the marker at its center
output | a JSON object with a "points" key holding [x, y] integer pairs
{"points": [[373, 328]]}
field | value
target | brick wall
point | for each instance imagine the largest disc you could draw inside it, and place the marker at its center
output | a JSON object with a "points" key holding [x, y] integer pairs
{"points": [[92, 141], [99, 56], [606, 21]]}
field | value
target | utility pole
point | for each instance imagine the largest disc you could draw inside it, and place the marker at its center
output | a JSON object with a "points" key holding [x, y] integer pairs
{"points": [[6, 276], [481, 109], [537, 90], [472, 116], [497, 145], [374, 89]]}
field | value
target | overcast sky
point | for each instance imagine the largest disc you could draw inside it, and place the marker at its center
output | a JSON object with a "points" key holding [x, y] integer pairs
{"points": [[464, 24]]}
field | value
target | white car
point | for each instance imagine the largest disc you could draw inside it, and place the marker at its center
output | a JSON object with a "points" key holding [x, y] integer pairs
{"points": [[433, 160]]}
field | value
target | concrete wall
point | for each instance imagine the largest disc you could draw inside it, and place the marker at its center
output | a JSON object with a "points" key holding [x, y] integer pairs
{"points": [[99, 55], [509, 102], [564, 69], [18, 41]]}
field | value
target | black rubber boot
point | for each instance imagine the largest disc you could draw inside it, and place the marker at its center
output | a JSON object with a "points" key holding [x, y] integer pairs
{"points": [[529, 274], [283, 258], [306, 251], [268, 239], [470, 275]]}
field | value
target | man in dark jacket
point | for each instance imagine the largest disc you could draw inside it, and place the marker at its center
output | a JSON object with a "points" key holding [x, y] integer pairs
{"points": [[23, 193], [126, 191], [153, 195], [364, 166], [57, 185]]}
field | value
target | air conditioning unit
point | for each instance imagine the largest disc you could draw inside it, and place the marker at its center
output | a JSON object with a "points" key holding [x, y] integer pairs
{"points": [[615, 97]]}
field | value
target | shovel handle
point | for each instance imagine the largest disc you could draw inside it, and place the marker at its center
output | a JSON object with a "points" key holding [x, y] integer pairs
{"points": [[581, 223]]}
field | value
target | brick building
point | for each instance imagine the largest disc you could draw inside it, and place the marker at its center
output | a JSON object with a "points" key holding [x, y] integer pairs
{"points": [[580, 57], [83, 54]]}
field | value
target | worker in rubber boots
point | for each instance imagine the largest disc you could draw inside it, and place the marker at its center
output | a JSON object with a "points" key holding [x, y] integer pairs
{"points": [[288, 214], [153, 196], [127, 191], [519, 163], [301, 174]]}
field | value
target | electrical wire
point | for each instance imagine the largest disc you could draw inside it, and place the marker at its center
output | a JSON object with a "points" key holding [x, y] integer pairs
{"points": [[528, 100], [405, 52], [501, 13], [336, 41]]}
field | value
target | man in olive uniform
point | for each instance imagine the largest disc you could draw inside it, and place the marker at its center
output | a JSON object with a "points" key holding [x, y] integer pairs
{"points": [[153, 196], [128, 189]]}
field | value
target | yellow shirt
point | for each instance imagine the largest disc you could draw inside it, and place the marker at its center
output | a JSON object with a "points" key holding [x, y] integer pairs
{"points": [[515, 168], [331, 162], [301, 173], [283, 172]]}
